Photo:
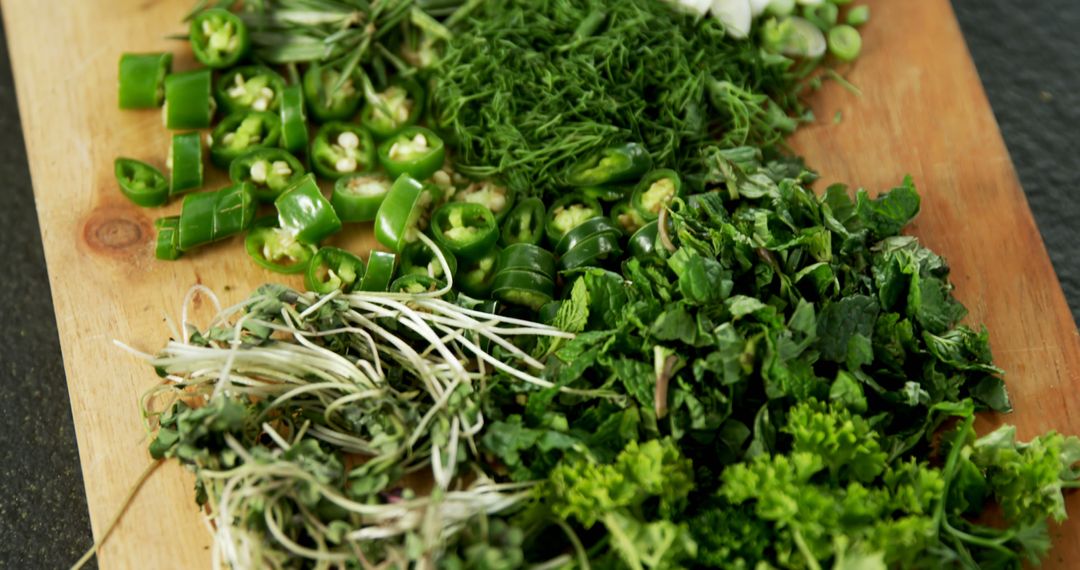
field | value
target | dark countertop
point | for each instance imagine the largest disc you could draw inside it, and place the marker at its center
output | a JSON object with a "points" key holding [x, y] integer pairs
{"points": [[1025, 55]]}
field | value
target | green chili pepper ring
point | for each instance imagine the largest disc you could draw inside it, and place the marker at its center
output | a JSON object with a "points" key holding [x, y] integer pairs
{"points": [[340, 149], [380, 271], [276, 249], [525, 223], [526, 288], [185, 162], [294, 127], [324, 104], [415, 151], [477, 276], [303, 210], [612, 165], [334, 269], [395, 222], [527, 257], [249, 88], [591, 252], [357, 197], [657, 190], [395, 108], [143, 184], [468, 230], [419, 259], [269, 170], [569, 212], [241, 132], [219, 38], [206, 217], [189, 102], [166, 246], [587, 229]]}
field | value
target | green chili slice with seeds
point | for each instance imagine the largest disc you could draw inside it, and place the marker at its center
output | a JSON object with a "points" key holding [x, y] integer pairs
{"points": [[334, 269], [340, 149], [269, 170], [249, 88], [143, 184], [241, 132], [219, 38], [278, 250]]}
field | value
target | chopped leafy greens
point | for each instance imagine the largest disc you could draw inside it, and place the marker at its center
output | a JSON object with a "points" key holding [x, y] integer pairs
{"points": [[527, 87]]}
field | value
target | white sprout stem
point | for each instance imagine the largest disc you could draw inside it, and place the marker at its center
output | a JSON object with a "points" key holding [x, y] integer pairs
{"points": [[500, 365], [441, 352], [188, 298]]}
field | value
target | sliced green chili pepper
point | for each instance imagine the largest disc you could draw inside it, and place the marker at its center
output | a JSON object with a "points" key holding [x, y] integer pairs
{"points": [[415, 151], [467, 230], [499, 199], [517, 287], [357, 197], [324, 104], [622, 163], [591, 252], [207, 217], [380, 271], [189, 103], [399, 106], [418, 259], [269, 170], [219, 38], [415, 284], [627, 218], [527, 257], [276, 249], [525, 223], [655, 192], [168, 238], [643, 242], [142, 79], [332, 269], [294, 127], [609, 193], [589, 228], [569, 212], [250, 88], [304, 211], [340, 149], [185, 163], [395, 222], [477, 276], [141, 183], [241, 132]]}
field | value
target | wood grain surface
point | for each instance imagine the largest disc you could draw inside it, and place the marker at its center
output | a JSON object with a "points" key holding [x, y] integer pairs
{"points": [[922, 111]]}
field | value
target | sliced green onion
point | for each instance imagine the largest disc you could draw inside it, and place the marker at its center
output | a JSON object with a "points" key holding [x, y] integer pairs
{"points": [[845, 42], [858, 16]]}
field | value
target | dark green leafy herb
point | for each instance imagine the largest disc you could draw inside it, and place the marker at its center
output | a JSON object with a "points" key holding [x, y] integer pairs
{"points": [[527, 87]]}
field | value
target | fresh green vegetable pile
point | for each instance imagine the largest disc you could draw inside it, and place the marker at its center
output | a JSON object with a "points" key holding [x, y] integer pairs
{"points": [[733, 372], [526, 87], [781, 380]]}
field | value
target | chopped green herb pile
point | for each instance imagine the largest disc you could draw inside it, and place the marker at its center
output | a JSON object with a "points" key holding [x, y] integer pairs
{"points": [[526, 87], [765, 390]]}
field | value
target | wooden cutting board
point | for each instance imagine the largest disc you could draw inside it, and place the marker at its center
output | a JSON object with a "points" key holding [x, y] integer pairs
{"points": [[922, 112]]}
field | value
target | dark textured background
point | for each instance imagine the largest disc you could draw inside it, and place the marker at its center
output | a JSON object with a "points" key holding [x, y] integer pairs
{"points": [[1027, 57]]}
